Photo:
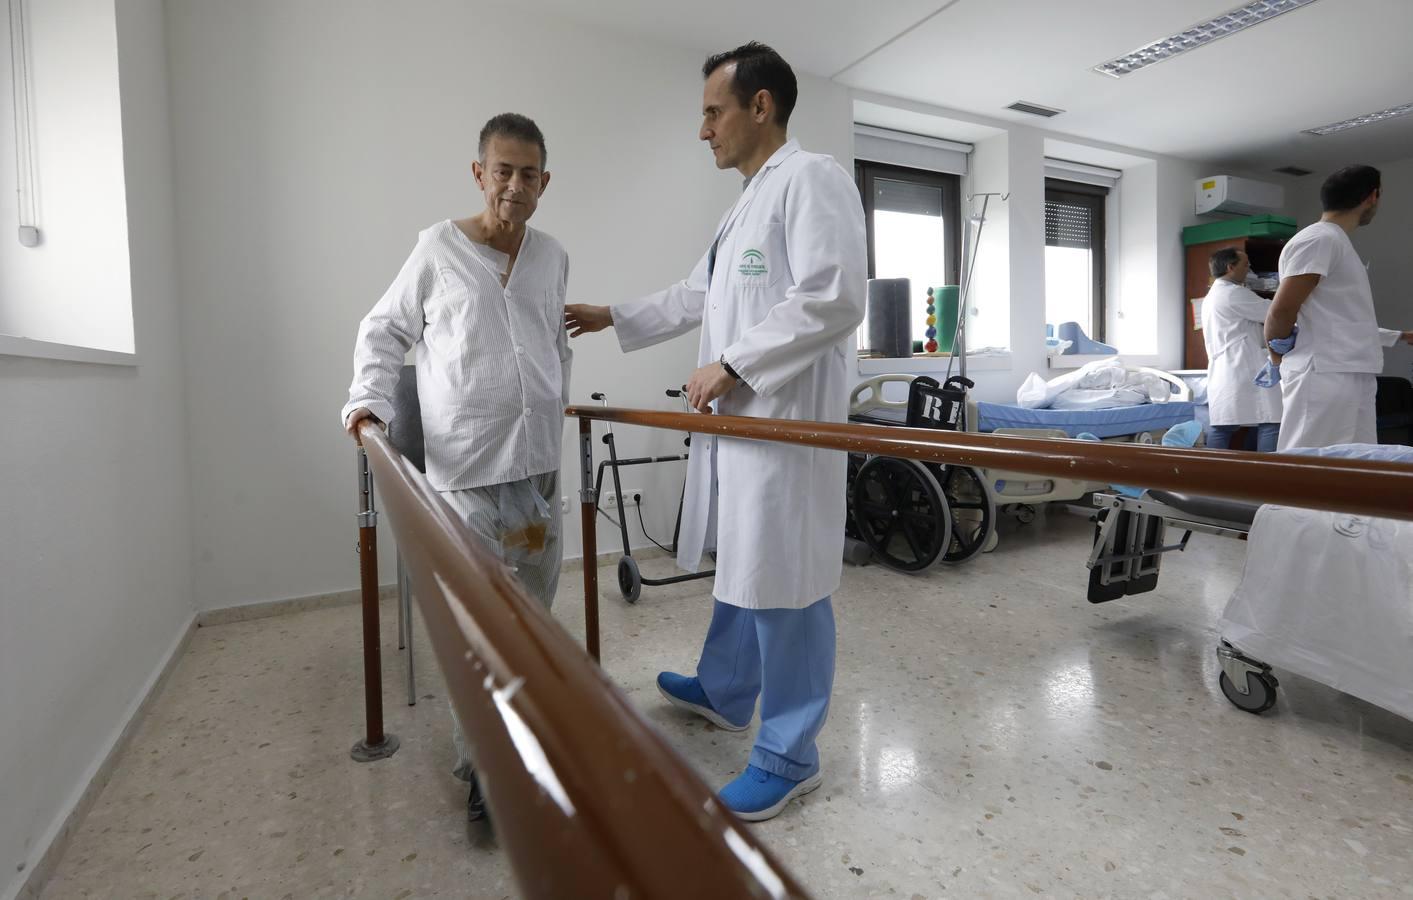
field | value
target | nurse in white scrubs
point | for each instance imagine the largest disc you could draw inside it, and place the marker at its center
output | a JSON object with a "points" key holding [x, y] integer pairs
{"points": [[1328, 379], [778, 296], [1232, 320]]}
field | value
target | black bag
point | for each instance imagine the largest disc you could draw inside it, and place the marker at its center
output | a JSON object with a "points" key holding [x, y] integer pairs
{"points": [[931, 405]]}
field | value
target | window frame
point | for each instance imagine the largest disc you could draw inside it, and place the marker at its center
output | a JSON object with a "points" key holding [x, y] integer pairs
{"points": [[867, 172], [1095, 198]]}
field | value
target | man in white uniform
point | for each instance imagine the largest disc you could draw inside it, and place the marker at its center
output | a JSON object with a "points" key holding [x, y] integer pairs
{"points": [[1232, 320], [778, 296], [482, 300], [1328, 378]]}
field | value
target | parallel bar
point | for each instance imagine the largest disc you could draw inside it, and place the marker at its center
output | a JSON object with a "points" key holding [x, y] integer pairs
{"points": [[1359, 487], [588, 798], [589, 527], [376, 743]]}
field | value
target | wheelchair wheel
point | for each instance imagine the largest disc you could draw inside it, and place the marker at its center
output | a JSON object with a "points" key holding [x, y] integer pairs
{"points": [[973, 512], [630, 582], [901, 513], [1262, 687]]}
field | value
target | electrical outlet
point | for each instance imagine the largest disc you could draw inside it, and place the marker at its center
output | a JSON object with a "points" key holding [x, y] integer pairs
{"points": [[564, 506], [610, 499]]}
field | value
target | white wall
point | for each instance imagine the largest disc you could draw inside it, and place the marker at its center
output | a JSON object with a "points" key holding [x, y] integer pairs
{"points": [[94, 541], [74, 287], [313, 142], [1385, 245]]}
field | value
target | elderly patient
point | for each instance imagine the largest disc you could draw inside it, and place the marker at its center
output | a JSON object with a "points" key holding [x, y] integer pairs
{"points": [[482, 300]]}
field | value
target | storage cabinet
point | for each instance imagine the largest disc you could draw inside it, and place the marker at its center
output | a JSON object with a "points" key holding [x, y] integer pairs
{"points": [[1261, 237]]}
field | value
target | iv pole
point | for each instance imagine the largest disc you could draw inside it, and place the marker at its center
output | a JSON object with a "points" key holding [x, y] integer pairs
{"points": [[970, 245]]}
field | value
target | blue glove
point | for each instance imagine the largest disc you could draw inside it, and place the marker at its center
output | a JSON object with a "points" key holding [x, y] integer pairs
{"points": [[1269, 376], [1286, 344]]}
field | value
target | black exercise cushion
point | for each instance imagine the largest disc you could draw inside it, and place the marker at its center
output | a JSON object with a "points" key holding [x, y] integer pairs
{"points": [[405, 430], [1235, 511]]}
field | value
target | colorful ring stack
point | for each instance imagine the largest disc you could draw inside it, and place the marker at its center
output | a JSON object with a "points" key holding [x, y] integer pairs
{"points": [[931, 332]]}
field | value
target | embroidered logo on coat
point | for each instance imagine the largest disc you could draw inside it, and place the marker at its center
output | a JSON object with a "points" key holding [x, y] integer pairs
{"points": [[752, 263]]}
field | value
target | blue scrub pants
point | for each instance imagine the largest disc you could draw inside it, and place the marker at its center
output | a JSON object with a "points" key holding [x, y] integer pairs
{"points": [[1267, 434], [784, 656]]}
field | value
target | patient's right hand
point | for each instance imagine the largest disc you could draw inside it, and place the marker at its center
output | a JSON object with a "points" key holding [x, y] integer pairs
{"points": [[357, 416], [580, 318]]}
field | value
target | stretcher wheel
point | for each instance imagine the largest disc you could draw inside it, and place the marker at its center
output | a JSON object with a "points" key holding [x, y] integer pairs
{"points": [[973, 512], [901, 513], [1262, 686], [630, 582]]}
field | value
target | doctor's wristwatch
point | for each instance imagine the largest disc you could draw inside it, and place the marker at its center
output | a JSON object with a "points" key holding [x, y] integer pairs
{"points": [[730, 371]]}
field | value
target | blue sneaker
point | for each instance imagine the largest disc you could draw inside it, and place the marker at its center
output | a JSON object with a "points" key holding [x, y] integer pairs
{"points": [[757, 795], [686, 693]]}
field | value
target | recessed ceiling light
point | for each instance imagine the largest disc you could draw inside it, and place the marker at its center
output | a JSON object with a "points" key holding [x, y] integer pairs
{"points": [[1215, 28], [1392, 112]]}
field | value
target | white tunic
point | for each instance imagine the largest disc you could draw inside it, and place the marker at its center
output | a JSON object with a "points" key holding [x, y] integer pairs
{"points": [[1233, 319], [492, 362], [1338, 331], [782, 305], [1327, 380]]}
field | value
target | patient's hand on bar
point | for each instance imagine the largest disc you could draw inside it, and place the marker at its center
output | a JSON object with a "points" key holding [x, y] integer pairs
{"points": [[357, 416], [580, 318]]}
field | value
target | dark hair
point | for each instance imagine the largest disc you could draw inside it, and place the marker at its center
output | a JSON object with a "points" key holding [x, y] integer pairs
{"points": [[759, 68], [1223, 260], [1348, 187], [516, 127]]}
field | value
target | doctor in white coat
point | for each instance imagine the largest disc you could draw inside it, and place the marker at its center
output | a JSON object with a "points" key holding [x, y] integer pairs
{"points": [[778, 296], [1327, 379], [1232, 320]]}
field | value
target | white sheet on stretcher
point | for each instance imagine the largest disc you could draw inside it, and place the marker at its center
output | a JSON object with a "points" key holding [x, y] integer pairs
{"points": [[1329, 596]]}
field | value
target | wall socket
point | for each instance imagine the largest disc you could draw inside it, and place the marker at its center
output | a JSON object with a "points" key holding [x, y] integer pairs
{"points": [[610, 499]]}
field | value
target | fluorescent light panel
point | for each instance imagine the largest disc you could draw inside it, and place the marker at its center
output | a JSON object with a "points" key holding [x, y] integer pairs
{"points": [[1392, 112], [1215, 28]]}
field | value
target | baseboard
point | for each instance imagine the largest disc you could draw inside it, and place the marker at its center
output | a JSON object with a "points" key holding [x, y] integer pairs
{"points": [[576, 564], [56, 841], [244, 613]]}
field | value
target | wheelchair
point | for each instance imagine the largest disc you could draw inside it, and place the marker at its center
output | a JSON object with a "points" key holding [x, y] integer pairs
{"points": [[911, 514]]}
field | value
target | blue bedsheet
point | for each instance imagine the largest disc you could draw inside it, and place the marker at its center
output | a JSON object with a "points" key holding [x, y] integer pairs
{"points": [[1103, 422]]}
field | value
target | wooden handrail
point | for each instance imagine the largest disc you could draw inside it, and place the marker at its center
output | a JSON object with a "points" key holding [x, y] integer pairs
{"points": [[587, 799], [1341, 485]]}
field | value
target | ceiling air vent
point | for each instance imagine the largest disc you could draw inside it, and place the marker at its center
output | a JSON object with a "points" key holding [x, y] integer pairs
{"points": [[1035, 109], [1293, 170]]}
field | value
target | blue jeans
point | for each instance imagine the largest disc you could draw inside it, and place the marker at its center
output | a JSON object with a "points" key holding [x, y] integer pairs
{"points": [[1267, 434], [784, 656]]}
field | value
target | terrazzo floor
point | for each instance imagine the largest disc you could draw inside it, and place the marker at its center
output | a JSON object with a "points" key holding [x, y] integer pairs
{"points": [[992, 735]]}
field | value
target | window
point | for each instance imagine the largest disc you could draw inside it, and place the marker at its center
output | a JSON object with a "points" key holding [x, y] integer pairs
{"points": [[1074, 255], [913, 225]]}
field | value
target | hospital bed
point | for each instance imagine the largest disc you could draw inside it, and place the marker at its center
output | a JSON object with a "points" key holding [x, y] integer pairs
{"points": [[1020, 493]]}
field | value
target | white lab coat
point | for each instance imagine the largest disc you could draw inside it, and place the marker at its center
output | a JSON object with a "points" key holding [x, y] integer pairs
{"points": [[1233, 319], [782, 305]]}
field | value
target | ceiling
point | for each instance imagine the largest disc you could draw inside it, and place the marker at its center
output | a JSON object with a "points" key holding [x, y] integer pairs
{"points": [[1241, 101]]}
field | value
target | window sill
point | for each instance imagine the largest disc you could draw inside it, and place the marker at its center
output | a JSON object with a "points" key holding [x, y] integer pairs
{"points": [[11, 345], [1075, 360], [931, 364]]}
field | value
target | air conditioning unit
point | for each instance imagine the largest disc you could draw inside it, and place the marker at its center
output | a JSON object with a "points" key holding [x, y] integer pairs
{"points": [[1241, 196]]}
